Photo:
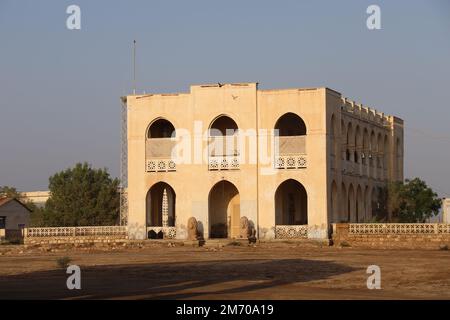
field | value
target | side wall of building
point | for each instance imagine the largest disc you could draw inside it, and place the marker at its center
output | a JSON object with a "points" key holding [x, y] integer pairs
{"points": [[365, 152], [15, 214]]}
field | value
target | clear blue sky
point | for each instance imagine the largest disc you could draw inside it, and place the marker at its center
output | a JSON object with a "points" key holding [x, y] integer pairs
{"points": [[60, 89]]}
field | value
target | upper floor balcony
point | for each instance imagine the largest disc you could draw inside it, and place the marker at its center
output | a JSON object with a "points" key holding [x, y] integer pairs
{"points": [[223, 144], [158, 153], [290, 142], [159, 144]]}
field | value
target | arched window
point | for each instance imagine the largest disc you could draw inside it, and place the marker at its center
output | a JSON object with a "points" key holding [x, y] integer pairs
{"points": [[350, 142], [344, 203], [334, 202], [161, 128], [223, 126], [380, 150], [359, 211], [365, 147], [367, 214], [290, 133], [223, 137], [358, 144], [334, 141], [372, 149], [344, 140], [351, 206], [159, 143], [290, 124]]}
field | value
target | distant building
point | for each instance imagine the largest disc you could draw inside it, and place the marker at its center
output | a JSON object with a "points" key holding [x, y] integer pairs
{"points": [[14, 216], [39, 198], [446, 210]]}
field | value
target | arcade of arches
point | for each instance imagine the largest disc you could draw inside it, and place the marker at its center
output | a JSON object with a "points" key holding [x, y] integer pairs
{"points": [[224, 211]]}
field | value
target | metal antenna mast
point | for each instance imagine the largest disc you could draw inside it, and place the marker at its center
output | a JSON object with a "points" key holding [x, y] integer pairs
{"points": [[124, 150], [134, 67], [123, 165]]}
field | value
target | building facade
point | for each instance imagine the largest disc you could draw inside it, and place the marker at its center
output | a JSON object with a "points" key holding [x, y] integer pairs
{"points": [[291, 161]]}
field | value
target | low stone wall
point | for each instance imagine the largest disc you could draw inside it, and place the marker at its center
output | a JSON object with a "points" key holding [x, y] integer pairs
{"points": [[74, 240], [75, 235], [392, 236]]}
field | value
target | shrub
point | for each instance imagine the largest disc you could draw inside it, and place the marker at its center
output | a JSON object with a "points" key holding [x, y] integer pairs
{"points": [[63, 262]]}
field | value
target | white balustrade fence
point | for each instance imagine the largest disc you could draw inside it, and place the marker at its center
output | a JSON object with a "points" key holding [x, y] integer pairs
{"points": [[56, 232], [399, 228], [291, 231]]}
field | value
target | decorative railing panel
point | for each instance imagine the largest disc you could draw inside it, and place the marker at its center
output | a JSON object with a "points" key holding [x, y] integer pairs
{"points": [[291, 232], [444, 228], [168, 232], [398, 228], [160, 165], [293, 161], [75, 231], [223, 163]]}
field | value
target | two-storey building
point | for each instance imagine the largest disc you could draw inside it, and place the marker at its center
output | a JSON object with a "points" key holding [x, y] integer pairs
{"points": [[292, 161]]}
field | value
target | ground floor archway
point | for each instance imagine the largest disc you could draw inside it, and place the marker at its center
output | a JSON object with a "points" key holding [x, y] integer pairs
{"points": [[291, 204], [224, 210], [160, 207]]}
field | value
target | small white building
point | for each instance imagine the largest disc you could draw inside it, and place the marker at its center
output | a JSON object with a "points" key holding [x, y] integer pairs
{"points": [[14, 216], [39, 198]]}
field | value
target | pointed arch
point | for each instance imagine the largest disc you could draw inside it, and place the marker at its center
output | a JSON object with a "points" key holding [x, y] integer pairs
{"points": [[334, 202], [290, 124], [155, 198], [224, 210], [160, 128], [291, 203], [351, 204]]}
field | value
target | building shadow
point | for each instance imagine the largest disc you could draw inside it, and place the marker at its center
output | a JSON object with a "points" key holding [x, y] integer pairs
{"points": [[170, 280]]}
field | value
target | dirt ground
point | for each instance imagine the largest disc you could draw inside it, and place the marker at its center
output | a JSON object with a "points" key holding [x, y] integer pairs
{"points": [[264, 271]]}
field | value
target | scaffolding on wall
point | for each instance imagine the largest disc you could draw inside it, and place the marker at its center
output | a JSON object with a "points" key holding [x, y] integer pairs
{"points": [[123, 165]]}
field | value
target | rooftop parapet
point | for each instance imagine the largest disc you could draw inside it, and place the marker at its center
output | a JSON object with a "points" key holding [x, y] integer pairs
{"points": [[365, 113]]}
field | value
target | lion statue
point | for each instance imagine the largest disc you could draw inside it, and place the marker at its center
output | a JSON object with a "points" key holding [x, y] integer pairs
{"points": [[246, 229], [192, 229]]}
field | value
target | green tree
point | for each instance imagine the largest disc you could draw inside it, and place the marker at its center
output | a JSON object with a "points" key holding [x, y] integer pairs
{"points": [[412, 201], [9, 192], [81, 196]]}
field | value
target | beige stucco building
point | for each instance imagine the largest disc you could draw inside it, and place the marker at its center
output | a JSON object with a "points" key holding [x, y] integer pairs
{"points": [[446, 210], [292, 161]]}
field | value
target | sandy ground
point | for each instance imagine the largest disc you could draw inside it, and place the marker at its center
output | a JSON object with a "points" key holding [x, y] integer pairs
{"points": [[265, 271]]}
